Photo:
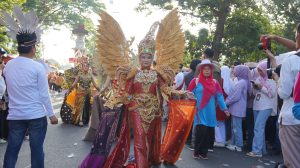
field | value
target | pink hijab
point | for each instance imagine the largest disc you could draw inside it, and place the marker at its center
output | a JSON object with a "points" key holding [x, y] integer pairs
{"points": [[263, 80]]}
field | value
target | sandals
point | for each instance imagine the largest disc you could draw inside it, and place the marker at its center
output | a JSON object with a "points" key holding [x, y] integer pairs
{"points": [[80, 124], [252, 154]]}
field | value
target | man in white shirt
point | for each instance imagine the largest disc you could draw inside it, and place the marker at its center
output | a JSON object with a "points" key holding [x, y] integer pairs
{"points": [[289, 126], [29, 100]]}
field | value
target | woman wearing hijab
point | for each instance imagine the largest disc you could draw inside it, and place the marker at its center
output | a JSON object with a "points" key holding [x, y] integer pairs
{"points": [[220, 132], [208, 93], [237, 102], [265, 102]]}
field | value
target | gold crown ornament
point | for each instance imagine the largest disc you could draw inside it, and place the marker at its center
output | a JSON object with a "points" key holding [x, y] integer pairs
{"points": [[147, 45]]}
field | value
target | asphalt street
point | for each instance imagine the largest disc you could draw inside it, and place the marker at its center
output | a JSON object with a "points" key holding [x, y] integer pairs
{"points": [[64, 148]]}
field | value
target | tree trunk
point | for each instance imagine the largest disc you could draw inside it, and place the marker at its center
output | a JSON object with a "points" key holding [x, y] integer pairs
{"points": [[219, 33]]}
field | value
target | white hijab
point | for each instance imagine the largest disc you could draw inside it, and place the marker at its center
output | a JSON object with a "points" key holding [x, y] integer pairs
{"points": [[227, 82]]}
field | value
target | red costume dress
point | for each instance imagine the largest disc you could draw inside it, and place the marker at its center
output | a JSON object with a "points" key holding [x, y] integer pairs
{"points": [[145, 110], [142, 91]]}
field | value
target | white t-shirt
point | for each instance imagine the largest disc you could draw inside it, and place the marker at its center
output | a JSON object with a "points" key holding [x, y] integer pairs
{"points": [[264, 98], [179, 80], [27, 88], [289, 70]]}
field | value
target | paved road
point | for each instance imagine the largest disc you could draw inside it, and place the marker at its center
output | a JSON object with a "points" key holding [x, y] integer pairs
{"points": [[66, 140]]}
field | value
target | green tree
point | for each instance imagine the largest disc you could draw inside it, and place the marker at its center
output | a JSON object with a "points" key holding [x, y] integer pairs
{"points": [[7, 5], [66, 12], [285, 12], [69, 13], [242, 31], [196, 44], [208, 11]]}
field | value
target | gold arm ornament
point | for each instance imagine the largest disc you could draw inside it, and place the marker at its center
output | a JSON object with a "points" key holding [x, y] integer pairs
{"points": [[118, 97], [117, 100], [170, 91]]}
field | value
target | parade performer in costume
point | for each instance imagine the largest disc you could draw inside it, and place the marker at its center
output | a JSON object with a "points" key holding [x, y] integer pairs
{"points": [[69, 101], [105, 133], [98, 111], [105, 122], [142, 89], [82, 83], [104, 83]]}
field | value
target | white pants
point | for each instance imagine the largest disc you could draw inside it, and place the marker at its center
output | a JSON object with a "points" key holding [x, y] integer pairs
{"points": [[220, 133]]}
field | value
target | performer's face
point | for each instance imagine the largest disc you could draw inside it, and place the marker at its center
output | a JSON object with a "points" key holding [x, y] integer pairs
{"points": [[85, 67], [146, 60], [206, 70]]}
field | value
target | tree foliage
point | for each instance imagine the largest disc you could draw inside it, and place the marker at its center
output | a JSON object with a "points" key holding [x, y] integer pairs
{"points": [[51, 13], [196, 44], [284, 12], [63, 12], [70, 13], [208, 11], [237, 24], [7, 5], [242, 31]]}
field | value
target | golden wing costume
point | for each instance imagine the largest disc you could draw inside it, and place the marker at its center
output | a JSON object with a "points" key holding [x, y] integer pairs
{"points": [[170, 43], [140, 89], [113, 54]]}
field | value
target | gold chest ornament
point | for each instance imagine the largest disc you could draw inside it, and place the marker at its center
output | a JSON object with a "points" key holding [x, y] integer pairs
{"points": [[85, 81], [146, 78]]}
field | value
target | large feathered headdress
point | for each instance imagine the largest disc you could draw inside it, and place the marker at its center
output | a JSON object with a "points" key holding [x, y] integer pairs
{"points": [[147, 45], [23, 27]]}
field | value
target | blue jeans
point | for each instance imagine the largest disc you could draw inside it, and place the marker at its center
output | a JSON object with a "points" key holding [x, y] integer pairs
{"points": [[37, 131], [237, 132], [260, 119]]}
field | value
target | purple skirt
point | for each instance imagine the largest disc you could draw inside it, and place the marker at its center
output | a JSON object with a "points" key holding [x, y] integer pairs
{"points": [[105, 135]]}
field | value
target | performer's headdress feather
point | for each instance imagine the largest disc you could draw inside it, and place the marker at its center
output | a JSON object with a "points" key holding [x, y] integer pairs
{"points": [[147, 45], [23, 27]]}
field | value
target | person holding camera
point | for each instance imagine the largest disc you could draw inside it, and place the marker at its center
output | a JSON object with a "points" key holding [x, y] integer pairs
{"points": [[289, 133], [265, 102]]}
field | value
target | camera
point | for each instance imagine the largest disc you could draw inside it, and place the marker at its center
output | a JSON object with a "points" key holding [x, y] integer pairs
{"points": [[265, 43], [271, 70]]}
